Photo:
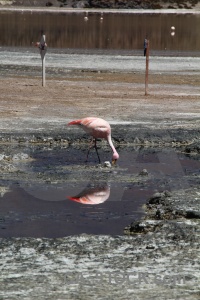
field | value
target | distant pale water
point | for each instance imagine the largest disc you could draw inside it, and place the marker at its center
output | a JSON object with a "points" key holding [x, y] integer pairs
{"points": [[117, 31]]}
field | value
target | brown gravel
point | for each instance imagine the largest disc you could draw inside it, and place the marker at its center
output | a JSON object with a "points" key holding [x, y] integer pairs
{"points": [[118, 97]]}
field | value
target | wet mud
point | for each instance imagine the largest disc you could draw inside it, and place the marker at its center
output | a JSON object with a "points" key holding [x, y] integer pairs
{"points": [[146, 210]]}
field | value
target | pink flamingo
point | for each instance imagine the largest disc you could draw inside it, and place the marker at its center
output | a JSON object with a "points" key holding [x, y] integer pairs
{"points": [[97, 128]]}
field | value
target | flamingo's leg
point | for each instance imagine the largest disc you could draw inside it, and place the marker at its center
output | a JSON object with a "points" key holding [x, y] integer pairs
{"points": [[90, 146], [93, 144]]}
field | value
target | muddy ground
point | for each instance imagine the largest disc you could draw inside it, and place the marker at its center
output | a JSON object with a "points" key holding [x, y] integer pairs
{"points": [[158, 257], [172, 103]]}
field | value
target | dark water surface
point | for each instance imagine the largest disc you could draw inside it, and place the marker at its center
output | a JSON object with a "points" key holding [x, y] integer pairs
{"points": [[117, 31], [57, 194]]}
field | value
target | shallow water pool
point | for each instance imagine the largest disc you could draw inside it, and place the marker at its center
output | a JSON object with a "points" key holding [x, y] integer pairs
{"points": [[52, 192]]}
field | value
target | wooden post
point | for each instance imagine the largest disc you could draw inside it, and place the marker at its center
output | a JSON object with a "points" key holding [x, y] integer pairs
{"points": [[147, 69], [43, 71], [43, 50]]}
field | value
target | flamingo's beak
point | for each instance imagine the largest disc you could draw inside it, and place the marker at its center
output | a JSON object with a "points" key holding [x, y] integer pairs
{"points": [[114, 162]]}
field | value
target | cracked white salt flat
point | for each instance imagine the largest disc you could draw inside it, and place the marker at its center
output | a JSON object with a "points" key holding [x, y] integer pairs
{"points": [[102, 62]]}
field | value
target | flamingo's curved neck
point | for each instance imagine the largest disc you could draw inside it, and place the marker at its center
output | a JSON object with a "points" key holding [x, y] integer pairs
{"points": [[111, 145]]}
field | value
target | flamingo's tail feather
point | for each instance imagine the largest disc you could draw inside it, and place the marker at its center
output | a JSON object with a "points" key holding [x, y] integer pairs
{"points": [[76, 122]]}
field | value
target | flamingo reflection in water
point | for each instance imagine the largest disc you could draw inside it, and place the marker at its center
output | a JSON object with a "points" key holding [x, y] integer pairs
{"points": [[93, 195]]}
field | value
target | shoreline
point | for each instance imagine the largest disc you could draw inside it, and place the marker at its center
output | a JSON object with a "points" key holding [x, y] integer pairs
{"points": [[195, 10]]}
